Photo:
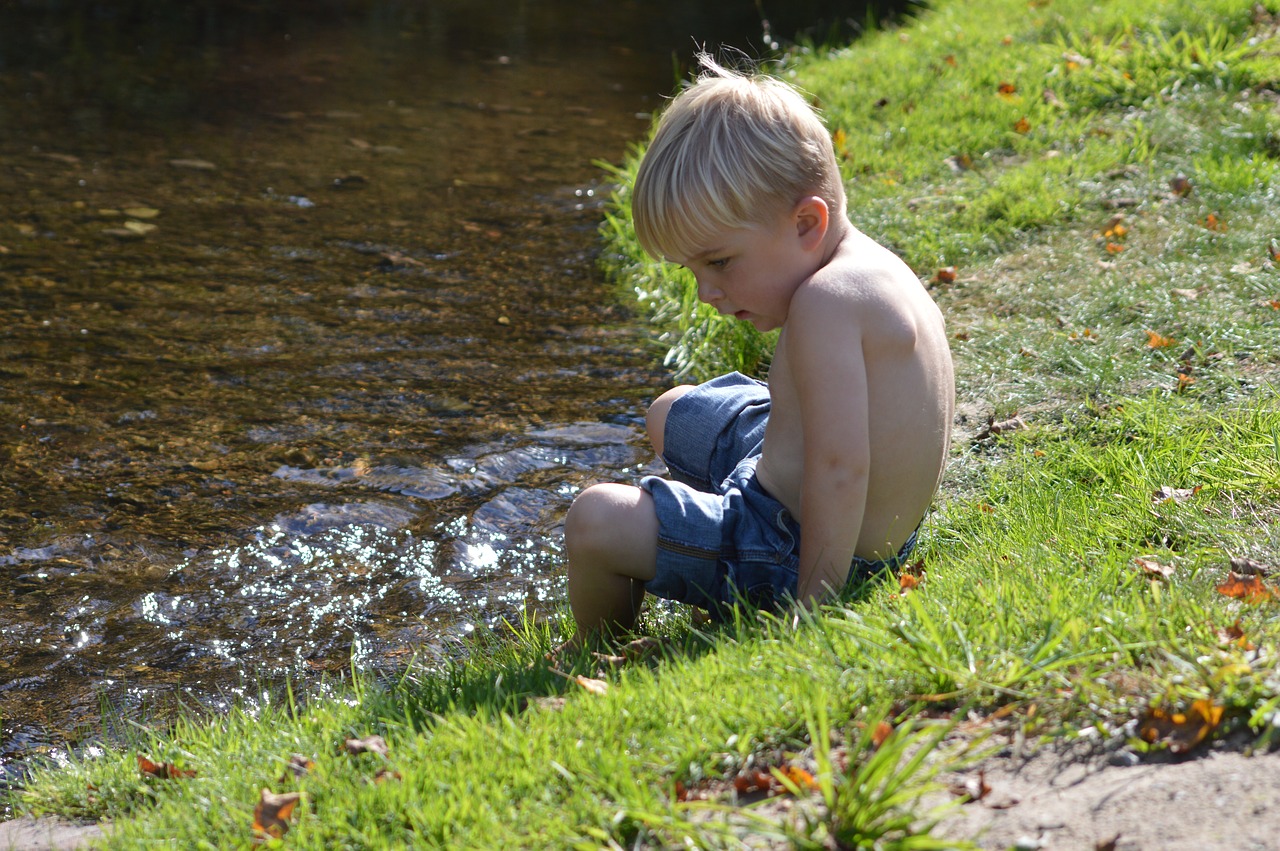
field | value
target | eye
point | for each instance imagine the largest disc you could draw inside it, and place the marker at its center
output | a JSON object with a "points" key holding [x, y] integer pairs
{"points": [[718, 263]]}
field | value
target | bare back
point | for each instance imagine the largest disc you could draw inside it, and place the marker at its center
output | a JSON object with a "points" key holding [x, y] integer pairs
{"points": [[909, 389]]}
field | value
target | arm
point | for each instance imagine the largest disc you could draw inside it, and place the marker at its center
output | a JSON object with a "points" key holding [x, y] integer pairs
{"points": [[824, 351]]}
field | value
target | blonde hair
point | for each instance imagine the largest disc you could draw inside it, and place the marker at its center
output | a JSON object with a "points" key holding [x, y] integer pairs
{"points": [[730, 151]]}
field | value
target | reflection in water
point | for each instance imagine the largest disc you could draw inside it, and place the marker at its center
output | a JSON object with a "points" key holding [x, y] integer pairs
{"points": [[302, 350]]}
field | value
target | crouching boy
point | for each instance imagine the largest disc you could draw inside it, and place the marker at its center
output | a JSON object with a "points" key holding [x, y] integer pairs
{"points": [[791, 489]]}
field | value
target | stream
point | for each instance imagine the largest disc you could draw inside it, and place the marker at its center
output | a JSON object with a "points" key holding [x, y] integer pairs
{"points": [[303, 347]]}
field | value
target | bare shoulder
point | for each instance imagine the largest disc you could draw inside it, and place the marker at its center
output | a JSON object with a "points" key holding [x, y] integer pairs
{"points": [[866, 287]]}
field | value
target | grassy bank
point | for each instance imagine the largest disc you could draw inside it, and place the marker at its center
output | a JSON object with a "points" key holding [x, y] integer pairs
{"points": [[1090, 193]]}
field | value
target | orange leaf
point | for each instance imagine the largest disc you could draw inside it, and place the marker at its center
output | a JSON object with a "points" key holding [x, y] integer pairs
{"points": [[1180, 186], [1185, 381], [906, 581], [162, 770], [1022, 126], [799, 778], [1007, 88], [883, 731], [753, 780], [945, 275], [1159, 341], [1251, 589], [271, 815], [1114, 248], [1212, 222], [1181, 731]]}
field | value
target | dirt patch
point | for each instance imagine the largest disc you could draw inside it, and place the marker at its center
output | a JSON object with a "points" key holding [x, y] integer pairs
{"points": [[46, 834], [1067, 798]]}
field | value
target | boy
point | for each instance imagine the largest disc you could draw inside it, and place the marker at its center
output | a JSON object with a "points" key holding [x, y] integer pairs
{"points": [[787, 490]]}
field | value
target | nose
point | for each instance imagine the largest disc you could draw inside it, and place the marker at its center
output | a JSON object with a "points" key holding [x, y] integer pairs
{"points": [[708, 293]]}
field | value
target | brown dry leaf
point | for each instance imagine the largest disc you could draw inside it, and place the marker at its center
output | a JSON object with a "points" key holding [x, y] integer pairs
{"points": [[907, 582], [883, 731], [1181, 731], [1185, 380], [753, 780], [1234, 634], [298, 766], [945, 275], [1251, 589], [1249, 567], [384, 774], [1273, 249], [1007, 88], [163, 770], [1022, 126], [1168, 494], [1213, 223], [1014, 423], [1151, 567], [1180, 186], [971, 788], [1159, 341], [271, 815], [369, 744]]}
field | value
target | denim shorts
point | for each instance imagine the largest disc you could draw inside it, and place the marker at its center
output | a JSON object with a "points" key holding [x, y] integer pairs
{"points": [[722, 539]]}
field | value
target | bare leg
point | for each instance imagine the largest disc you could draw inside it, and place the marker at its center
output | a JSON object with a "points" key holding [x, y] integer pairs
{"points": [[656, 419], [611, 536]]}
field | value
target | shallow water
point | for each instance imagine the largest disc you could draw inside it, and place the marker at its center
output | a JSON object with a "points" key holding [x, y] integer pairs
{"points": [[303, 350]]}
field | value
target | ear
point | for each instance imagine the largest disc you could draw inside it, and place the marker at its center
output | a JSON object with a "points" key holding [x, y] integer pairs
{"points": [[811, 217]]}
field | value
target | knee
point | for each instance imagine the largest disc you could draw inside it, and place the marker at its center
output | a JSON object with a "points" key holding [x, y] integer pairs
{"points": [[603, 517], [656, 418]]}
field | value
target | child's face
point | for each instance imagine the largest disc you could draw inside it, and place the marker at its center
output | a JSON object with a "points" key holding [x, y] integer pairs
{"points": [[751, 273]]}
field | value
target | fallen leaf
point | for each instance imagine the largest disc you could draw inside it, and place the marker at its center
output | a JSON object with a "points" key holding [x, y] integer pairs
{"points": [[384, 774], [907, 582], [162, 770], [993, 428], [1273, 249], [1159, 341], [972, 788], [945, 275], [369, 744], [271, 815], [1189, 295], [882, 732], [1107, 844], [1185, 380], [1180, 185], [1153, 568], [753, 780], [593, 686], [799, 778], [1022, 126], [1234, 634], [1181, 731], [1051, 99], [1213, 223], [1007, 88], [1251, 589], [1168, 494], [1249, 567], [298, 766]]}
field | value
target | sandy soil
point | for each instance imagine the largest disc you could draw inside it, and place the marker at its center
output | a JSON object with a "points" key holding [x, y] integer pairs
{"points": [[1098, 799]]}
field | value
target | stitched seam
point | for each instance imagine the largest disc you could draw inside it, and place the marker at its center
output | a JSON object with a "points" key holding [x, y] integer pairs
{"points": [[688, 550]]}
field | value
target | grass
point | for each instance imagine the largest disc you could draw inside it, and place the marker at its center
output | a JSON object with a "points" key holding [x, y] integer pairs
{"points": [[1142, 353]]}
